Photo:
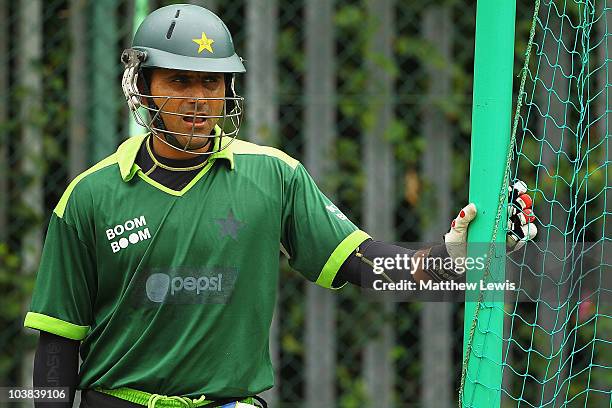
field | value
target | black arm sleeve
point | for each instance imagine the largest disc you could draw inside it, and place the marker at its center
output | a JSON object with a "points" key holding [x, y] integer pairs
{"points": [[358, 272], [56, 364], [358, 268]]}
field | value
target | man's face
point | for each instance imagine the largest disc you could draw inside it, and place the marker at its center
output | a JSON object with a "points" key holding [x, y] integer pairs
{"points": [[175, 83]]}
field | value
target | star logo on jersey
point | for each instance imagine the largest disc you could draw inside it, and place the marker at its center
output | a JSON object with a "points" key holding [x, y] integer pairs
{"points": [[229, 226], [204, 43]]}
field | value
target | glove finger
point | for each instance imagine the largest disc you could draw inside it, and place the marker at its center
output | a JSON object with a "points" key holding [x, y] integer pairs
{"points": [[521, 226], [524, 201], [519, 187], [529, 231], [466, 215], [514, 244], [526, 216], [510, 226], [515, 190], [515, 229], [514, 241]]}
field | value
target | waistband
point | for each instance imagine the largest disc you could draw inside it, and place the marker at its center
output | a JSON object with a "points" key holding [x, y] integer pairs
{"points": [[164, 401]]}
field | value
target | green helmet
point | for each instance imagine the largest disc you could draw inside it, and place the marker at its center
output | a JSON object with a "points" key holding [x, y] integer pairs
{"points": [[184, 37]]}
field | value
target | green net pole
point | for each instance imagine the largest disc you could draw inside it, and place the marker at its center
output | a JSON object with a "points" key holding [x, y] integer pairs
{"points": [[141, 9], [493, 63]]}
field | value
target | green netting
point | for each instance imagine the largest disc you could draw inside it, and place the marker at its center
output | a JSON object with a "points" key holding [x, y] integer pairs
{"points": [[557, 337]]}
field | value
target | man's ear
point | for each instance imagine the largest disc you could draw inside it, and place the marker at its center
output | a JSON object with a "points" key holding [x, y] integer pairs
{"points": [[229, 92], [144, 83], [144, 80]]}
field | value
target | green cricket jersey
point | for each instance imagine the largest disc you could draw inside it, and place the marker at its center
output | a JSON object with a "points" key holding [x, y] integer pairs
{"points": [[173, 292]]}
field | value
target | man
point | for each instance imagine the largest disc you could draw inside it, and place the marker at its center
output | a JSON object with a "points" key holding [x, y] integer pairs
{"points": [[161, 261]]}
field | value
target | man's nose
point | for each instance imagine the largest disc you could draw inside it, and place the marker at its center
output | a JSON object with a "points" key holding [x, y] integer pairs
{"points": [[199, 91], [196, 97]]}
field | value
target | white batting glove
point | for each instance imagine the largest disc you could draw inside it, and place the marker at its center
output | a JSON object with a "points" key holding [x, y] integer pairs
{"points": [[521, 228], [454, 247], [456, 239]]}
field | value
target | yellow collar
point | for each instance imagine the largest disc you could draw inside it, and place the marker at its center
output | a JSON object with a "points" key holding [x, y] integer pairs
{"points": [[128, 150]]}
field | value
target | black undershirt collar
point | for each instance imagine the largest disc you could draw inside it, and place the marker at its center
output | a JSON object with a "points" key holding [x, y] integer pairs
{"points": [[177, 163], [173, 179]]}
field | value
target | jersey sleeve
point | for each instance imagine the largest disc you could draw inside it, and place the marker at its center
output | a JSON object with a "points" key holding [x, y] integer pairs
{"points": [[317, 235], [65, 282]]}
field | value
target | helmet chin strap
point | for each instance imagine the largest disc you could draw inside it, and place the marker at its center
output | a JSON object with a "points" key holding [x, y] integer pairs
{"points": [[159, 122]]}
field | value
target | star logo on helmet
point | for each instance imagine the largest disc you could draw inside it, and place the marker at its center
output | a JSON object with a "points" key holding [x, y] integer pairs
{"points": [[205, 43]]}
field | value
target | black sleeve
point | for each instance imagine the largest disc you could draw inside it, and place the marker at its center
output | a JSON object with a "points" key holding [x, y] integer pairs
{"points": [[56, 364], [358, 271], [358, 268]]}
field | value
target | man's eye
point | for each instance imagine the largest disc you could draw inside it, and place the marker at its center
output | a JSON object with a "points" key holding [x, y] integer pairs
{"points": [[180, 79], [211, 79]]}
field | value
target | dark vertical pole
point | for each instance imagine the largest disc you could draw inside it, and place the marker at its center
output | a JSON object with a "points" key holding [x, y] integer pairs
{"points": [[77, 91], [31, 168], [262, 110], [436, 323], [4, 158], [379, 194], [320, 130]]}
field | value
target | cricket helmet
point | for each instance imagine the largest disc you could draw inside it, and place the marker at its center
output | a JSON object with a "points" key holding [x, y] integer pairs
{"points": [[183, 37]]}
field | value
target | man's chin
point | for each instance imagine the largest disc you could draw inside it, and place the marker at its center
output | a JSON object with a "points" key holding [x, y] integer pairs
{"points": [[196, 143]]}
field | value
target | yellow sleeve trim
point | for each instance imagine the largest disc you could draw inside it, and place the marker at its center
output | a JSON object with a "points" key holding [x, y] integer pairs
{"points": [[53, 325], [61, 205], [337, 258], [242, 147]]}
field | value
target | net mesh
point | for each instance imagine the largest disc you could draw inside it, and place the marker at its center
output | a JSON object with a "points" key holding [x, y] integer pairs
{"points": [[557, 328]]}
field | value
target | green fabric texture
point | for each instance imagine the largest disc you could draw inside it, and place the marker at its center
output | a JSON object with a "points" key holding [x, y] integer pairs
{"points": [[65, 284], [313, 228], [178, 292]]}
